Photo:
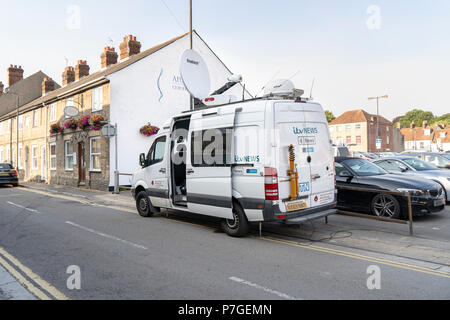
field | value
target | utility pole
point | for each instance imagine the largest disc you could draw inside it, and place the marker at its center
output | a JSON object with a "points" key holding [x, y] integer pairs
{"points": [[190, 47], [378, 112]]}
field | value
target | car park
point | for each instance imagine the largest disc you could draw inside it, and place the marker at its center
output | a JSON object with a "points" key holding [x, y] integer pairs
{"points": [[353, 174], [415, 167], [8, 175], [440, 160]]}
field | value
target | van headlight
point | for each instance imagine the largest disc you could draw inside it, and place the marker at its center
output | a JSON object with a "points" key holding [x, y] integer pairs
{"points": [[414, 192]]}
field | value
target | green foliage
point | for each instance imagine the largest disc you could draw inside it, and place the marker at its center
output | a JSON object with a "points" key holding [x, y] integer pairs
{"points": [[444, 119], [330, 116], [418, 116]]}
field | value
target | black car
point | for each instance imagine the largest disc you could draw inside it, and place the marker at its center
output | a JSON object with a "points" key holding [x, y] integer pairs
{"points": [[427, 196], [8, 175]]}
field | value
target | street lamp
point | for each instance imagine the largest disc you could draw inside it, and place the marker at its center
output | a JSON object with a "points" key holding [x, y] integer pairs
{"points": [[378, 113]]}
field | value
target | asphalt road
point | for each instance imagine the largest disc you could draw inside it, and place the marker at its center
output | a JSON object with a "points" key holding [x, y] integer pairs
{"points": [[124, 256]]}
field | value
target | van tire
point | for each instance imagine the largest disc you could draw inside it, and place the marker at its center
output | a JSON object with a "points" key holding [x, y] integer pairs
{"points": [[143, 204], [239, 227]]}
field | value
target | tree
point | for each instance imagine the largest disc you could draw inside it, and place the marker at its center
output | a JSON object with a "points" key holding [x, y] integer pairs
{"points": [[444, 119], [418, 116], [330, 116]]}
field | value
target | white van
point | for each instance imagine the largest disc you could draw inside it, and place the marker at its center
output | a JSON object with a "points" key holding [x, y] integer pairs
{"points": [[249, 179]]}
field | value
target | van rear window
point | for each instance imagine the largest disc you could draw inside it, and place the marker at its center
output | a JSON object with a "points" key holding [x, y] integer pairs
{"points": [[211, 148]]}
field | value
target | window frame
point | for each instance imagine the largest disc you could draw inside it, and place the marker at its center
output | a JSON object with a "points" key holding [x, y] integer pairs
{"points": [[53, 107], [97, 99], [151, 162], [66, 156], [92, 154], [33, 158], [35, 118], [21, 122], [227, 136], [52, 156]]}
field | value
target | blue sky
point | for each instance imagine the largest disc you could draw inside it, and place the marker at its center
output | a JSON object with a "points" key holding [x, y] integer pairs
{"points": [[329, 40]]}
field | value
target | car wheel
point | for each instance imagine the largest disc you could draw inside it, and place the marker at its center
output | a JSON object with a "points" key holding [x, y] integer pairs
{"points": [[386, 206], [143, 204], [238, 226]]}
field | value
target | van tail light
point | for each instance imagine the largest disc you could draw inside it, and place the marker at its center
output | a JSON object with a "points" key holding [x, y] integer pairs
{"points": [[271, 183]]}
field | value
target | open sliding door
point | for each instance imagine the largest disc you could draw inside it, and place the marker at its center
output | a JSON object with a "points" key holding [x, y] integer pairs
{"points": [[208, 169]]}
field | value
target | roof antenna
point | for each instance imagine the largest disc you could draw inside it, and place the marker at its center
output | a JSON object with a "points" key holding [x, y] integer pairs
{"points": [[67, 61], [273, 77], [111, 41], [312, 87]]}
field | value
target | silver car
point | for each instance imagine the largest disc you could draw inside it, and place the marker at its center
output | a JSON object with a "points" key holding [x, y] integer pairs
{"points": [[416, 167]]}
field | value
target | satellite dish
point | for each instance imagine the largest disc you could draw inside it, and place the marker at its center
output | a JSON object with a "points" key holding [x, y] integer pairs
{"points": [[195, 74], [71, 112]]}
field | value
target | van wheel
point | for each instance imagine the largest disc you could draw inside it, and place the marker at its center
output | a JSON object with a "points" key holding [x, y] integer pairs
{"points": [[386, 206], [239, 226], [143, 204]]}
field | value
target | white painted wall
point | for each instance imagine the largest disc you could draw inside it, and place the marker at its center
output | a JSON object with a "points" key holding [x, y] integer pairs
{"points": [[137, 100]]}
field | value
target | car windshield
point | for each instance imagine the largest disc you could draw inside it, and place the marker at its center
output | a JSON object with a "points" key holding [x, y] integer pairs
{"points": [[419, 165], [364, 168], [5, 166]]}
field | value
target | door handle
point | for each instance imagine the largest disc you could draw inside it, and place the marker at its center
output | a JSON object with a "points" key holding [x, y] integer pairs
{"points": [[162, 170], [315, 176], [189, 171]]}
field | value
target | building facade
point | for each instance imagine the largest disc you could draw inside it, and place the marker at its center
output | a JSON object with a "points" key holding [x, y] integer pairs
{"points": [[362, 131], [427, 138]]}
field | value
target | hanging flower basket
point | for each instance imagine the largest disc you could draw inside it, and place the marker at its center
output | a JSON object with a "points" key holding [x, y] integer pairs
{"points": [[71, 124], [56, 128], [97, 122], [148, 130], [84, 122]]}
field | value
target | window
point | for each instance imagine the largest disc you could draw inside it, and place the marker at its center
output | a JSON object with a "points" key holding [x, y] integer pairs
{"points": [[19, 164], [34, 157], [97, 99], [27, 122], [8, 154], [387, 129], [364, 168], [358, 140], [349, 139], [8, 125], [391, 166], [388, 140], [35, 118], [348, 127], [339, 128], [53, 156], [68, 155], [211, 148], [331, 129], [1, 127], [20, 122], [53, 112], [339, 168], [156, 152], [1, 154], [95, 153], [358, 127]]}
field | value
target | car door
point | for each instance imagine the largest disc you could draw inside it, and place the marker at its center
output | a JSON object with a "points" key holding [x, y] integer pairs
{"points": [[156, 172], [208, 168]]}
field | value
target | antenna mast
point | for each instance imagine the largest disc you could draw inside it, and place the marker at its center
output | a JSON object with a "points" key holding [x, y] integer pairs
{"points": [[190, 44]]}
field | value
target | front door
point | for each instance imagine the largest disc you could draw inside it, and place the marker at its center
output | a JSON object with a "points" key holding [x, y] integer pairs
{"points": [[208, 168], [81, 164], [43, 164], [156, 172]]}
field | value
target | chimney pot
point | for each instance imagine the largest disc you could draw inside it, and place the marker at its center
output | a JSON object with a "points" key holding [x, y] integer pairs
{"points": [[68, 75], [129, 47], [81, 69], [14, 74], [108, 57], [47, 85]]}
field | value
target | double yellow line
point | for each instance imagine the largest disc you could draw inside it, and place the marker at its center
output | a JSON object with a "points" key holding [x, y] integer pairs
{"points": [[28, 279]]}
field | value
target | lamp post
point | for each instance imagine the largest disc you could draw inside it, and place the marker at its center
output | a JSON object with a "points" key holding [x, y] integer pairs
{"points": [[378, 112]]}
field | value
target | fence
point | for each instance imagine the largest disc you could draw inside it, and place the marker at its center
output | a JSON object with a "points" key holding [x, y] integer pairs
{"points": [[403, 194], [117, 185]]}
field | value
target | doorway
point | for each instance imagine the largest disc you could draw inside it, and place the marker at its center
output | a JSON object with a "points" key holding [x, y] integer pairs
{"points": [[81, 164], [43, 164]]}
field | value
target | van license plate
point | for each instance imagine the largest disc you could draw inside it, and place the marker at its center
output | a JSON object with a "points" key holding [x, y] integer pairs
{"points": [[295, 206], [4, 174]]}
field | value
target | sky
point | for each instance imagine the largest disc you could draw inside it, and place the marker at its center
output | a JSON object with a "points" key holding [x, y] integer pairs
{"points": [[354, 49]]}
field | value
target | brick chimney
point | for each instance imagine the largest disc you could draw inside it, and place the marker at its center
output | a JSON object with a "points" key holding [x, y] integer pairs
{"points": [[109, 57], [81, 69], [15, 74], [413, 125], [47, 85], [399, 125], [129, 47], [425, 124], [2, 87], [68, 75]]}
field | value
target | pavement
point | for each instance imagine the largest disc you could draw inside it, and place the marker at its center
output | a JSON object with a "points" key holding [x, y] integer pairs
{"points": [[46, 231]]}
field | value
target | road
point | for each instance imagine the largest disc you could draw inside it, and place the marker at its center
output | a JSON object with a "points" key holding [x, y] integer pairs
{"points": [[123, 256]]}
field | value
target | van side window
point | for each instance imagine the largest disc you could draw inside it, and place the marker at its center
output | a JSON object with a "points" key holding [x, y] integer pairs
{"points": [[211, 148], [156, 152]]}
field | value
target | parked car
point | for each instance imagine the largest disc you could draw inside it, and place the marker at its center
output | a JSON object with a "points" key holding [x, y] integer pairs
{"points": [[427, 196], [364, 155], [416, 167], [341, 151], [440, 160], [386, 154], [8, 175]]}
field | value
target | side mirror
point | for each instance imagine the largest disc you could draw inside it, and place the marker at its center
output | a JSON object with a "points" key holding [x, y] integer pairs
{"points": [[345, 174], [404, 169], [142, 160]]}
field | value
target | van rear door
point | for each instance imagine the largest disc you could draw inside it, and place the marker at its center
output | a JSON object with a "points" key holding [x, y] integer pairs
{"points": [[208, 168], [291, 129], [321, 155]]}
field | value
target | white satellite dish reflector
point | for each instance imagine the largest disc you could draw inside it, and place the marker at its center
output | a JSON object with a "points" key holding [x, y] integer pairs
{"points": [[195, 74]]}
